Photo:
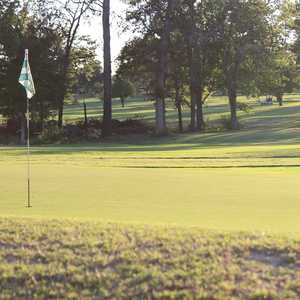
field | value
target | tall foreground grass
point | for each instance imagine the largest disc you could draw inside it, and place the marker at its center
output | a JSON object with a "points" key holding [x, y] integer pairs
{"points": [[81, 260]]}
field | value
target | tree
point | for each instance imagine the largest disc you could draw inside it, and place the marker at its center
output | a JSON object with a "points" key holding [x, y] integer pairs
{"points": [[19, 29], [274, 70], [86, 71], [198, 23], [278, 75], [36, 27], [160, 106], [67, 16], [74, 12], [243, 39], [122, 89], [153, 19], [178, 78]]}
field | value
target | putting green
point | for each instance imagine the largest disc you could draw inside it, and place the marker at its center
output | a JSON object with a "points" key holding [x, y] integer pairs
{"points": [[252, 199], [244, 180]]}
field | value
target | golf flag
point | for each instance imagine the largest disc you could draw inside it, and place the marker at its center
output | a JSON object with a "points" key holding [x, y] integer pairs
{"points": [[26, 78]]}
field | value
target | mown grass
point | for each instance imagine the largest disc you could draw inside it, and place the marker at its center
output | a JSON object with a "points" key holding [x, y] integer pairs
{"points": [[84, 187], [84, 260], [157, 218], [215, 108], [244, 180]]}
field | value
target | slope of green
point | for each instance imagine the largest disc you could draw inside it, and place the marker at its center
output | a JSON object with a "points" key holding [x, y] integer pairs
{"points": [[76, 260], [235, 199], [170, 213], [244, 180]]}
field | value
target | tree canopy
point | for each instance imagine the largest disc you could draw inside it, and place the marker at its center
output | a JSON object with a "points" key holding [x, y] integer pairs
{"points": [[185, 50]]}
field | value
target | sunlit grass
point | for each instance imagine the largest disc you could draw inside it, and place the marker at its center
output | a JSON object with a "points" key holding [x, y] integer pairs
{"points": [[140, 217], [88, 260]]}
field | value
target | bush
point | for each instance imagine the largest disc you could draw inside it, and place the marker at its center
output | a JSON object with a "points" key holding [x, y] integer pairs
{"points": [[9, 131], [226, 122], [72, 133], [129, 126], [12, 126], [245, 107], [50, 134], [93, 134]]}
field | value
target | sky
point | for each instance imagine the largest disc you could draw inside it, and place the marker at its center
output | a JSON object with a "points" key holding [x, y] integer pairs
{"points": [[118, 38]]}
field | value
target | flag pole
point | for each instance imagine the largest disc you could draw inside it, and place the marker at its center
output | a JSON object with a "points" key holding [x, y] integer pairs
{"points": [[26, 81], [28, 158]]}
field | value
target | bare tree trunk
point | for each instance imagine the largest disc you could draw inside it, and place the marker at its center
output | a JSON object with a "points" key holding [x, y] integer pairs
{"points": [[178, 104], [231, 83], [160, 107], [232, 95], [64, 79], [60, 113], [123, 101], [279, 99], [160, 116], [192, 65], [200, 118], [193, 83], [107, 105], [85, 118]]}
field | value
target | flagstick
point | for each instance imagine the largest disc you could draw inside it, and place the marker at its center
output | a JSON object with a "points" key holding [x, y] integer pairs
{"points": [[28, 158], [26, 81]]}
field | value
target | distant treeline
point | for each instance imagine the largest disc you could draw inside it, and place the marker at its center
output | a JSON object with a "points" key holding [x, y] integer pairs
{"points": [[64, 64], [188, 49], [183, 49]]}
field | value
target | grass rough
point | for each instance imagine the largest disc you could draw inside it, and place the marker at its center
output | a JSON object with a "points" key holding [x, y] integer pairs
{"points": [[88, 260]]}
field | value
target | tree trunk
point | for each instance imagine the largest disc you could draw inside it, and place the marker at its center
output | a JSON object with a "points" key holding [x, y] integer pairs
{"points": [[178, 106], [85, 117], [232, 95], [160, 109], [123, 101], [200, 117], [193, 92], [160, 116], [192, 66], [107, 105], [60, 114], [280, 99], [180, 125], [64, 79]]}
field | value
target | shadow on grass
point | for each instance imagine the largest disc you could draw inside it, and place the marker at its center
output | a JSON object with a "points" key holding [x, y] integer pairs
{"points": [[188, 142]]}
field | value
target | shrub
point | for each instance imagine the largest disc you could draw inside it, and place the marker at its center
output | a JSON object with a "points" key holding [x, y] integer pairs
{"points": [[93, 134], [50, 134], [12, 126], [245, 107], [72, 133], [225, 121], [131, 126]]}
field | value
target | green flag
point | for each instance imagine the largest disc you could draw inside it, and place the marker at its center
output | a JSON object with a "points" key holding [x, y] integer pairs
{"points": [[26, 78]]}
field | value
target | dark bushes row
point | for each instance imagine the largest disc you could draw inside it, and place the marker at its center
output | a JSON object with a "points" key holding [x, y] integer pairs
{"points": [[72, 132]]}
